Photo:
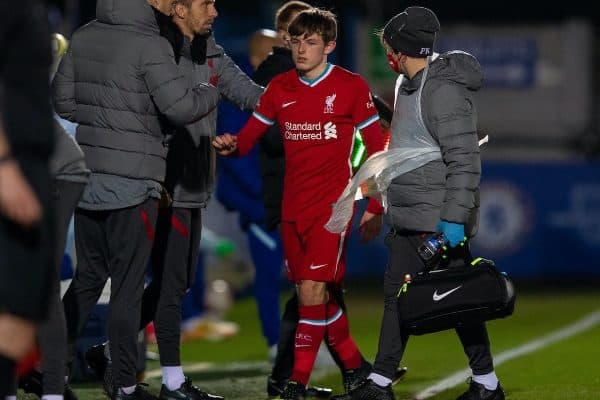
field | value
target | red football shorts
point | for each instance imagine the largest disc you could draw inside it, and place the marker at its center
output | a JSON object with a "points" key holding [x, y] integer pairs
{"points": [[312, 252]]}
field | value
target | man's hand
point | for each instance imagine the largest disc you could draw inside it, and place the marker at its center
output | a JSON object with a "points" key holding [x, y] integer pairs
{"points": [[225, 144], [453, 233], [18, 202], [370, 226]]}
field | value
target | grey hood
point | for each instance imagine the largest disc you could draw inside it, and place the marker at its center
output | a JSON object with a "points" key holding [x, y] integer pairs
{"points": [[135, 13], [459, 67]]}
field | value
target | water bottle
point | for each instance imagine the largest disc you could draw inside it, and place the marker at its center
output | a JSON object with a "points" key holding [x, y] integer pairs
{"points": [[431, 247]]}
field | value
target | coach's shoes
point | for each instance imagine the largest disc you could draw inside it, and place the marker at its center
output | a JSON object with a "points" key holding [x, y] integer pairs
{"points": [[32, 384], [275, 389], [138, 394], [478, 392], [187, 391], [368, 390], [294, 391]]}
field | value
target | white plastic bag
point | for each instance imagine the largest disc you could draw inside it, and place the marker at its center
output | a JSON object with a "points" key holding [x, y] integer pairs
{"points": [[374, 177]]}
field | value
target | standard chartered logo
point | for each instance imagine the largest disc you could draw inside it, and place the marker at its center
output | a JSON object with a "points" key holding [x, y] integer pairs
{"points": [[310, 131], [330, 131]]}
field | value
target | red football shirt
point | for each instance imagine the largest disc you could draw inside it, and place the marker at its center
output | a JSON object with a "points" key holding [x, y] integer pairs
{"points": [[317, 119]]}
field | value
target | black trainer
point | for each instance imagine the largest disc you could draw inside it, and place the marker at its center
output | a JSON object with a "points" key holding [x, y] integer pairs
{"points": [[96, 358], [353, 378], [32, 383], [138, 394], [293, 391], [187, 391], [275, 389], [477, 391], [368, 390]]}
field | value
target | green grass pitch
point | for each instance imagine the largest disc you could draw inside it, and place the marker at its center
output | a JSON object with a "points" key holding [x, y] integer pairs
{"points": [[561, 371]]}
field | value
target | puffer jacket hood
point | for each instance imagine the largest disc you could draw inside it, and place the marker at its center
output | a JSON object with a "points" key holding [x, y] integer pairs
{"points": [[135, 13], [459, 67], [120, 84]]}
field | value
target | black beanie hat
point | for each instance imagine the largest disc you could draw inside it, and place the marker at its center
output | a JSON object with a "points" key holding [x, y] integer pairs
{"points": [[412, 32]]}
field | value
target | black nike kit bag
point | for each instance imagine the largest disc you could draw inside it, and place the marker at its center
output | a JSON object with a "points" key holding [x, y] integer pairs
{"points": [[443, 299]]}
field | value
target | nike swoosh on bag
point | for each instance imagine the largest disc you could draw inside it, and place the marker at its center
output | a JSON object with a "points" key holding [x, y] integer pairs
{"points": [[313, 267], [438, 297]]}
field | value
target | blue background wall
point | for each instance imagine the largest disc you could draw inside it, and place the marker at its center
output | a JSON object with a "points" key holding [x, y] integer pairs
{"points": [[538, 221]]}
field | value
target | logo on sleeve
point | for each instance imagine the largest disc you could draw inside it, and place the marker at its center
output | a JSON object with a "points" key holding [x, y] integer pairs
{"points": [[329, 104]]}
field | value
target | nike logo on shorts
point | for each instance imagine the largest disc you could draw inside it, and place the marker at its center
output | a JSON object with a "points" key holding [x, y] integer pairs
{"points": [[438, 297], [313, 267]]}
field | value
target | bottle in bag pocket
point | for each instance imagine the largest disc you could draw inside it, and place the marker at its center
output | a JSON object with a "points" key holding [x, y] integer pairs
{"points": [[431, 249]]}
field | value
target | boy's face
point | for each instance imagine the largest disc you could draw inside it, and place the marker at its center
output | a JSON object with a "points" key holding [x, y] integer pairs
{"points": [[310, 52]]}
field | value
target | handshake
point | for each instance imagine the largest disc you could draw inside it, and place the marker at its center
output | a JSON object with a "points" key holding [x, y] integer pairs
{"points": [[225, 144]]}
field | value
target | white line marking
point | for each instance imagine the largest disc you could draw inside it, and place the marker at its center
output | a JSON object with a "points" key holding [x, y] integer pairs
{"points": [[322, 367], [459, 377]]}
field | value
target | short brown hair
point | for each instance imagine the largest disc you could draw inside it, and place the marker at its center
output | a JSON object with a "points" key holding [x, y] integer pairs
{"points": [[283, 16], [187, 3], [315, 20]]}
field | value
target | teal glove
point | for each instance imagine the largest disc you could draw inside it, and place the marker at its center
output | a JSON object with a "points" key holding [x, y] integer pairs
{"points": [[453, 233]]}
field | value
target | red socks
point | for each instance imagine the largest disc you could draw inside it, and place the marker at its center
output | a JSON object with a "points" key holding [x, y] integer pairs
{"points": [[338, 337], [309, 335], [315, 323]]}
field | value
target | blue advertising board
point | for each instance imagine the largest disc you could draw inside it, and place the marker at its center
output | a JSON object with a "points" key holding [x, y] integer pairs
{"points": [[541, 220], [538, 221], [507, 62]]}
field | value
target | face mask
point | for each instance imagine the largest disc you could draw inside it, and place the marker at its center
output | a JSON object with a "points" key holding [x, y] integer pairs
{"points": [[393, 63]]}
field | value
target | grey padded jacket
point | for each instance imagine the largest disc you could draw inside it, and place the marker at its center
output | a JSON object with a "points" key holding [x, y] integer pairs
{"points": [[191, 160], [445, 189], [118, 81]]}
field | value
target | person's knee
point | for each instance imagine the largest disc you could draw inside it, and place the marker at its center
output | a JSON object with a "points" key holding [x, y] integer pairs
{"points": [[312, 293]]}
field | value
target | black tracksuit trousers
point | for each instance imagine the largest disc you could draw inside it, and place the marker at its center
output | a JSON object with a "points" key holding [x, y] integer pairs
{"points": [[174, 258], [403, 259], [115, 244], [52, 334]]}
